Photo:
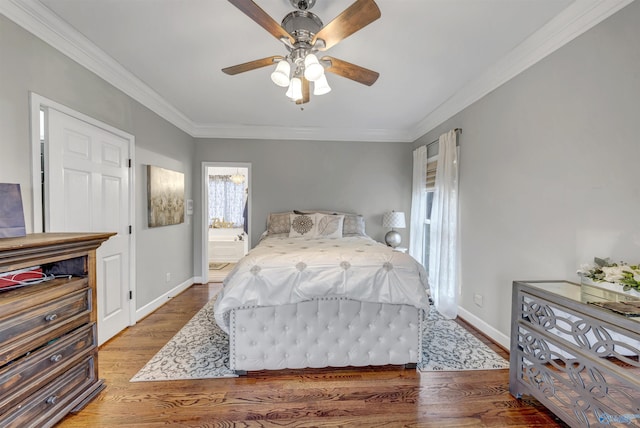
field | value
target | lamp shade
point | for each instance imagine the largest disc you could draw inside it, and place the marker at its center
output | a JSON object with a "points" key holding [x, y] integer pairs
{"points": [[394, 220], [321, 86], [295, 89], [312, 68], [281, 74]]}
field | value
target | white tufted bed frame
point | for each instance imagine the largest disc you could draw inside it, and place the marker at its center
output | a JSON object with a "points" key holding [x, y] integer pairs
{"points": [[325, 332], [322, 301]]}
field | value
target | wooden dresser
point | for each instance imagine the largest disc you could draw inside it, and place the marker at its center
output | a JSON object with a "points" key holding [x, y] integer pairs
{"points": [[48, 334]]}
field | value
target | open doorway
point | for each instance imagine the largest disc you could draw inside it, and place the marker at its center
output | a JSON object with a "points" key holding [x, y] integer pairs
{"points": [[227, 208]]}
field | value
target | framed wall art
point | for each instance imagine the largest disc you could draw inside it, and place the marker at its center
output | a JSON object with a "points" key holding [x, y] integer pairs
{"points": [[165, 196]]}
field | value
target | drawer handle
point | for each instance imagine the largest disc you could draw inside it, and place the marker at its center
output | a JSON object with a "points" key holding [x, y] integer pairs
{"points": [[52, 400], [51, 317], [55, 358]]}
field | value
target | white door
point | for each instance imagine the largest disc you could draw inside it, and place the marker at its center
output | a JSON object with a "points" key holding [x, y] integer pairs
{"points": [[87, 190]]}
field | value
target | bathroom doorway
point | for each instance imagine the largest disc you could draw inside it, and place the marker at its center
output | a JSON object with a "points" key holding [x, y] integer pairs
{"points": [[226, 214]]}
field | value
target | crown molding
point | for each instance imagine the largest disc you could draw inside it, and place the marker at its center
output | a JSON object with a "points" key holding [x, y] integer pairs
{"points": [[577, 18], [39, 20], [289, 133], [580, 16]]}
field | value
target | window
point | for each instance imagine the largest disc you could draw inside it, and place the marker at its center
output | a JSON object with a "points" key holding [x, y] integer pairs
{"points": [[427, 228], [432, 166]]}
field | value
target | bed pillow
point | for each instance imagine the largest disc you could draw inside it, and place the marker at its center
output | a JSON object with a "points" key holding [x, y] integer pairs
{"points": [[279, 223], [329, 226], [353, 225], [303, 225]]}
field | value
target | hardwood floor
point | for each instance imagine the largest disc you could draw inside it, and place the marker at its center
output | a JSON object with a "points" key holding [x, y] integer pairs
{"points": [[366, 397]]}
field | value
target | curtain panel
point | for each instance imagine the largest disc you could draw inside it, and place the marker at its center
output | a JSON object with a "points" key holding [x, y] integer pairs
{"points": [[226, 200], [443, 246], [418, 204]]}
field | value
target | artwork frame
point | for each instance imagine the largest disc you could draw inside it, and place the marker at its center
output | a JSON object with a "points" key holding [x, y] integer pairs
{"points": [[12, 223], [165, 196]]}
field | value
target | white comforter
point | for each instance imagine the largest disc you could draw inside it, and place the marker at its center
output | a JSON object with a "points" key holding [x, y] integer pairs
{"points": [[283, 270]]}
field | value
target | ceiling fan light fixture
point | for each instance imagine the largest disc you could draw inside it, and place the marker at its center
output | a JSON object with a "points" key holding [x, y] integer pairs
{"points": [[313, 70], [321, 86], [303, 34], [280, 75]]}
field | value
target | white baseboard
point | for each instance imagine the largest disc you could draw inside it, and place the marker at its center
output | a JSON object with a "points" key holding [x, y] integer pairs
{"points": [[155, 304], [495, 335]]}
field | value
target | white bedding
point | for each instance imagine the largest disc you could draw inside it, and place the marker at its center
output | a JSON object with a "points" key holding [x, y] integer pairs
{"points": [[281, 270]]}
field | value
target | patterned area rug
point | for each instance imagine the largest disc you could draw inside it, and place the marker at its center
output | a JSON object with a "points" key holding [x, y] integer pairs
{"points": [[200, 350], [447, 346]]}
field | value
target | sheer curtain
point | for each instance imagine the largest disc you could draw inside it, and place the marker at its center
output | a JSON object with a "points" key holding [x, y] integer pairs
{"points": [[443, 247], [418, 204], [226, 200]]}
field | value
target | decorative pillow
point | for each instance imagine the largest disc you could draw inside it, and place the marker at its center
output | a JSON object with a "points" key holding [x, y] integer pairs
{"points": [[303, 225], [353, 225], [279, 223], [329, 226]]}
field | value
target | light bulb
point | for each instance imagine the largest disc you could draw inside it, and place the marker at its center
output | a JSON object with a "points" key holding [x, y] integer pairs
{"points": [[312, 68], [280, 75], [321, 86]]}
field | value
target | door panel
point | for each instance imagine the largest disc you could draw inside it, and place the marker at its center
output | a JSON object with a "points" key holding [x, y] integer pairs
{"points": [[112, 275], [76, 210], [87, 190]]}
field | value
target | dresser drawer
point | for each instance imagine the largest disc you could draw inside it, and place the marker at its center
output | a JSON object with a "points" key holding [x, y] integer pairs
{"points": [[34, 327], [25, 298], [44, 406], [24, 376]]}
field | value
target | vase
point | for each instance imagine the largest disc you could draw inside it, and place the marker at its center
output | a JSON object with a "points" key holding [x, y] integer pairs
{"points": [[608, 290]]}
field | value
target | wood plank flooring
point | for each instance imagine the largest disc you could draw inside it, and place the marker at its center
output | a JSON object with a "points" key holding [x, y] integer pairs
{"points": [[366, 397]]}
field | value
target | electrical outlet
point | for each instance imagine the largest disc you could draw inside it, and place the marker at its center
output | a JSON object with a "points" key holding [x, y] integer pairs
{"points": [[478, 299], [168, 277]]}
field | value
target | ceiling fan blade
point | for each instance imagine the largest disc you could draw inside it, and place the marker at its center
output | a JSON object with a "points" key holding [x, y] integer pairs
{"points": [[252, 65], [305, 91], [351, 71], [253, 11], [355, 17]]}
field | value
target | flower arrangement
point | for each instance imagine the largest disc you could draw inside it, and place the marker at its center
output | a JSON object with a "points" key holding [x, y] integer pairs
{"points": [[621, 273]]}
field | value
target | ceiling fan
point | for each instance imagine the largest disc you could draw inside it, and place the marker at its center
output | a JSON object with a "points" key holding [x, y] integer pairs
{"points": [[303, 34]]}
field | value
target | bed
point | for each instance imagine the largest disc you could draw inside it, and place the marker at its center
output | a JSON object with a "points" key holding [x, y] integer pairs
{"points": [[318, 292]]}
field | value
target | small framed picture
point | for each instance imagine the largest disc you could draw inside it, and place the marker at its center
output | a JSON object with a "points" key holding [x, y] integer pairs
{"points": [[11, 213]]}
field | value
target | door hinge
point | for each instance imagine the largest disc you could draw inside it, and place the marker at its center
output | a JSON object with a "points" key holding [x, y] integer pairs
{"points": [[129, 163], [130, 229], [130, 295]]}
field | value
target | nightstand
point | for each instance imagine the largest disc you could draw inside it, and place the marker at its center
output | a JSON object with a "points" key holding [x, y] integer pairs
{"points": [[401, 249]]}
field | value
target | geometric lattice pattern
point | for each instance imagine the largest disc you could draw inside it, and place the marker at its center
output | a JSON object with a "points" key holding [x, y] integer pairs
{"points": [[580, 366]]}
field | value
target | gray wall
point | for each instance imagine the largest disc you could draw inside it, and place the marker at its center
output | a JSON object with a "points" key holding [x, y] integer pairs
{"points": [[363, 177], [549, 164], [549, 174], [28, 64]]}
